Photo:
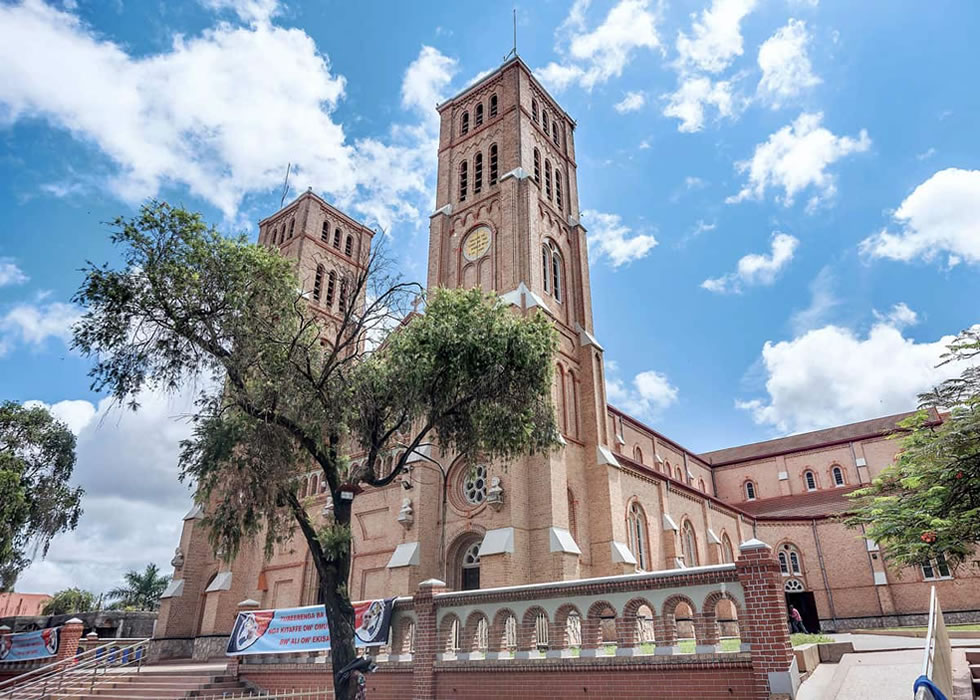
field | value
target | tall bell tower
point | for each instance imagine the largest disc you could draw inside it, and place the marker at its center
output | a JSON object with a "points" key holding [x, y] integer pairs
{"points": [[507, 219]]}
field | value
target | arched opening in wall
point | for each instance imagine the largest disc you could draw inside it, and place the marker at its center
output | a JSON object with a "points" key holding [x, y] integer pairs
{"points": [[726, 618], [838, 476], [810, 480], [644, 625], [684, 619], [638, 454], [749, 490], [464, 559]]}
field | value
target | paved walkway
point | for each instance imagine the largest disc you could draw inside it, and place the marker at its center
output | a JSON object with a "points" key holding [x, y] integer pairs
{"points": [[883, 667]]}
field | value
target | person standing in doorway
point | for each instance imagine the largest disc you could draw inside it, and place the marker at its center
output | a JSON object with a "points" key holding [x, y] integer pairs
{"points": [[796, 621]]}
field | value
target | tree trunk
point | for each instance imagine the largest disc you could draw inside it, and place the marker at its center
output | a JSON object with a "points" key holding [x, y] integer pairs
{"points": [[334, 572]]}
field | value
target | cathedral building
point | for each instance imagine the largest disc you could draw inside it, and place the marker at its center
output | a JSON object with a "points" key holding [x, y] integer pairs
{"points": [[618, 496]]}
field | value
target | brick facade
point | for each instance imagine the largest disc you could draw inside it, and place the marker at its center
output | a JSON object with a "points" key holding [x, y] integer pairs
{"points": [[618, 494]]}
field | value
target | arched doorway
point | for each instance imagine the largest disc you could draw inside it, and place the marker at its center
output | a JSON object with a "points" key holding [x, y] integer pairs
{"points": [[802, 600]]}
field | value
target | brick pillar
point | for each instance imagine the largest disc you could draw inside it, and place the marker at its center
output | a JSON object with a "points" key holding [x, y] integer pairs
{"points": [[764, 627], [426, 639], [706, 632], [558, 640], [71, 634], [591, 635], [626, 634], [665, 630]]}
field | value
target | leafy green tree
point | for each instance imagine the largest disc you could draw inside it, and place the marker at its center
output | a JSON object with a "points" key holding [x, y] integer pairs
{"points": [[71, 601], [927, 504], [293, 387], [37, 456], [142, 590]]}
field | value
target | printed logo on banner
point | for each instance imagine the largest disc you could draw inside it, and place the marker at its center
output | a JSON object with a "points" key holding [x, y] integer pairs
{"points": [[290, 630], [24, 646]]}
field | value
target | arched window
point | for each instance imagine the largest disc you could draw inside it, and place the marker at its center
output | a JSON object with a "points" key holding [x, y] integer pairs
{"points": [[349, 246], [679, 473], [546, 266], [318, 282], [342, 304], [554, 132], [666, 468], [749, 491], [314, 484], [478, 114], [534, 111], [336, 238], [493, 105], [838, 475], [470, 578], [463, 172], [555, 274], [547, 179], [275, 232], [544, 120], [477, 173], [638, 454], [636, 523], [689, 544], [701, 486], [465, 124], [789, 560], [292, 222], [727, 552], [302, 488], [810, 479], [325, 232], [331, 284], [537, 167], [493, 164], [558, 190]]}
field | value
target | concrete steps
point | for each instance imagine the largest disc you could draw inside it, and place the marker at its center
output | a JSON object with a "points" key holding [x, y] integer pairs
{"points": [[161, 683]]}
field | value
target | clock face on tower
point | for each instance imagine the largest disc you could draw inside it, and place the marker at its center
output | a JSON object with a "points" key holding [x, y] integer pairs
{"points": [[477, 243]]}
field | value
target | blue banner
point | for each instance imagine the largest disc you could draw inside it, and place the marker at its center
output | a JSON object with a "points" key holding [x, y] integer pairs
{"points": [[24, 646], [291, 630]]}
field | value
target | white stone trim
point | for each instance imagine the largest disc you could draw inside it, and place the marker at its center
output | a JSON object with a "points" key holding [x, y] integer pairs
{"points": [[405, 554], [222, 582], [605, 456], [174, 589], [446, 209], [872, 545], [524, 298], [861, 462], [749, 545], [518, 172], [585, 338], [499, 541], [621, 554], [196, 512], [419, 454], [561, 540], [712, 537], [669, 524], [881, 578], [783, 476], [249, 603]]}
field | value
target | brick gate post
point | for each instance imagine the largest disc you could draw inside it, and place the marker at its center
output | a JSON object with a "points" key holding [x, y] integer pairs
{"points": [[71, 634], [426, 639], [765, 625]]}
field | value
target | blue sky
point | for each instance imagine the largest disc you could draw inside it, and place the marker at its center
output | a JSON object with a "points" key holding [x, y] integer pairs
{"points": [[782, 196]]}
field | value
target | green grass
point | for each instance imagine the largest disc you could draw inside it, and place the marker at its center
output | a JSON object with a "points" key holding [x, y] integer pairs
{"points": [[799, 639]]}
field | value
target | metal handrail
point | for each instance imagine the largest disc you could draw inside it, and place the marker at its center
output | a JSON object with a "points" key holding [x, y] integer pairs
{"points": [[60, 671], [315, 694]]}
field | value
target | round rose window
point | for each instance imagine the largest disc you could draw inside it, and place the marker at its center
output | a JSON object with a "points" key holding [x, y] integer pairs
{"points": [[475, 485]]}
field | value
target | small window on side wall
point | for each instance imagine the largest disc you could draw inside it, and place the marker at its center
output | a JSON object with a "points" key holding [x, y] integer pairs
{"points": [[750, 491], [464, 127], [479, 114], [810, 479], [936, 568], [838, 475], [534, 111], [493, 106]]}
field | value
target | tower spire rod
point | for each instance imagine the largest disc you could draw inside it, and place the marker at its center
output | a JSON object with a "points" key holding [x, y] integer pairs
{"points": [[513, 51]]}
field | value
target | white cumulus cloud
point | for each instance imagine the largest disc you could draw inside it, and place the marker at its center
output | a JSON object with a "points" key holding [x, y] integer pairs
{"points": [[786, 69], [940, 217], [34, 323], [220, 113], [689, 102], [133, 503], [10, 274], [647, 395], [610, 238], [631, 102], [716, 36], [755, 268], [833, 375], [593, 57], [797, 158]]}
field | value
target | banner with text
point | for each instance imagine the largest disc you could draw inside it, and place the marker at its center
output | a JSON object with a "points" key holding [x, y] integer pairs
{"points": [[40, 644], [291, 630]]}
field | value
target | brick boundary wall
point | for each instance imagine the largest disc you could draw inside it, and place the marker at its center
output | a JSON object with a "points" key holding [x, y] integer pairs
{"points": [[765, 668]]}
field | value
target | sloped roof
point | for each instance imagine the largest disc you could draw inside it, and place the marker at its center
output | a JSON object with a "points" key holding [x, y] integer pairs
{"points": [[801, 505], [805, 441]]}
